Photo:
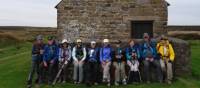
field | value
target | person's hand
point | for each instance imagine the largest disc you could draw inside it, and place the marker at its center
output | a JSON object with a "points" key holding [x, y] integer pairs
{"points": [[45, 64], [103, 63], [52, 61], [41, 51], [66, 62], [151, 59]]}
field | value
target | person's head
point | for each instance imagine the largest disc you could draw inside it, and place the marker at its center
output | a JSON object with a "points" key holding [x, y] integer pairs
{"points": [[118, 44], [50, 40], [146, 37], [79, 42], [64, 43], [131, 42], [106, 42], [39, 39], [164, 39], [93, 44]]}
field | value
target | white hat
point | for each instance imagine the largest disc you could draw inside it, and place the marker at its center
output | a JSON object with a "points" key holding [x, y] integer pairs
{"points": [[64, 41], [78, 40], [106, 40], [93, 42]]}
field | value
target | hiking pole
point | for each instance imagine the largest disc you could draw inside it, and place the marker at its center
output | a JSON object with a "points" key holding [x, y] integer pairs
{"points": [[59, 72], [140, 75]]}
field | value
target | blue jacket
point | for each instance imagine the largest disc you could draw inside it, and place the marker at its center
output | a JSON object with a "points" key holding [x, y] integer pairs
{"points": [[148, 50], [93, 54], [50, 52], [130, 50], [105, 54]]}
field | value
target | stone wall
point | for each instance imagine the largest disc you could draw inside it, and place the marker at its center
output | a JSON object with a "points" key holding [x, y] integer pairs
{"points": [[108, 18], [184, 32]]}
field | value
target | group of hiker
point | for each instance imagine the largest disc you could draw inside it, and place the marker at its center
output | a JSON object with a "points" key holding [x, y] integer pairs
{"points": [[50, 61]]}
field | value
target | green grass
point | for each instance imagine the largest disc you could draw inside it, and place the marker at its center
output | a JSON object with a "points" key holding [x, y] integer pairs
{"points": [[15, 63]]}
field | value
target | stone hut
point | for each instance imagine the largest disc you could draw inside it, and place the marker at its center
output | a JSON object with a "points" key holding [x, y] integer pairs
{"points": [[118, 19]]}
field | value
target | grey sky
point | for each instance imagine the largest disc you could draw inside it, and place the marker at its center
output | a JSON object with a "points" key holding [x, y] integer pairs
{"points": [[43, 13]]}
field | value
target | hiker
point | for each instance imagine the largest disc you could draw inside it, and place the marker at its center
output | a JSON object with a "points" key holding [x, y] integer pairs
{"points": [[37, 53], [92, 64], [119, 62], [149, 55], [166, 52], [50, 59], [79, 56], [133, 56], [64, 59], [105, 59]]}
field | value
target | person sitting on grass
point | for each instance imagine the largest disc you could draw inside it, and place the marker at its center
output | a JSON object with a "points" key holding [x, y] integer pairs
{"points": [[105, 59], [166, 52], [79, 56]]}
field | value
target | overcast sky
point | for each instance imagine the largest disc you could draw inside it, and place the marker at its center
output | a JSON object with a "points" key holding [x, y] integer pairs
{"points": [[42, 12]]}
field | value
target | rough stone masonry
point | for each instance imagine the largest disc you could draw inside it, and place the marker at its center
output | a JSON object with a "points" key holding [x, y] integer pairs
{"points": [[99, 19]]}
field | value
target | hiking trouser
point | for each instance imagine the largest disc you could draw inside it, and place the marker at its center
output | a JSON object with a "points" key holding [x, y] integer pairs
{"points": [[156, 64], [106, 71], [119, 71], [48, 73], [167, 69], [78, 71], [92, 72], [34, 69]]}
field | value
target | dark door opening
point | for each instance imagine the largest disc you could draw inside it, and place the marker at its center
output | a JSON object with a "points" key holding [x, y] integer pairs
{"points": [[138, 28]]}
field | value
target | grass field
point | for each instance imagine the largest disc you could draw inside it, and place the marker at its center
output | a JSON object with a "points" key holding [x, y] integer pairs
{"points": [[15, 62]]}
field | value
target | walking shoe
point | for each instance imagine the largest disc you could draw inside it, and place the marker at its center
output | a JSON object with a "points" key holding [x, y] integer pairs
{"points": [[108, 84], [29, 86], [124, 82], [116, 84], [63, 82], [95, 83], [169, 82], [104, 80]]}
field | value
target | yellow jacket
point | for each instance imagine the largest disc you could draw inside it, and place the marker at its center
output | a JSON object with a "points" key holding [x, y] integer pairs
{"points": [[170, 51]]}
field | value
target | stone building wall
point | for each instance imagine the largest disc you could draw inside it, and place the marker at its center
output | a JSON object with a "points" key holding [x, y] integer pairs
{"points": [[108, 18]]}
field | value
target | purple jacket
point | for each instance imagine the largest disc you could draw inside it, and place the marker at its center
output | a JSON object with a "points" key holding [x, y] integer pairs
{"points": [[105, 54]]}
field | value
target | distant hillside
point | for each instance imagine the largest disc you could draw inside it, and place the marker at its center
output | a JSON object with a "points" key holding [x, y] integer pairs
{"points": [[23, 32]]}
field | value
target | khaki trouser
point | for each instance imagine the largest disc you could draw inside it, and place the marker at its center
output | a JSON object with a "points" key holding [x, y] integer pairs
{"points": [[106, 71], [78, 71], [167, 69], [119, 71]]}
